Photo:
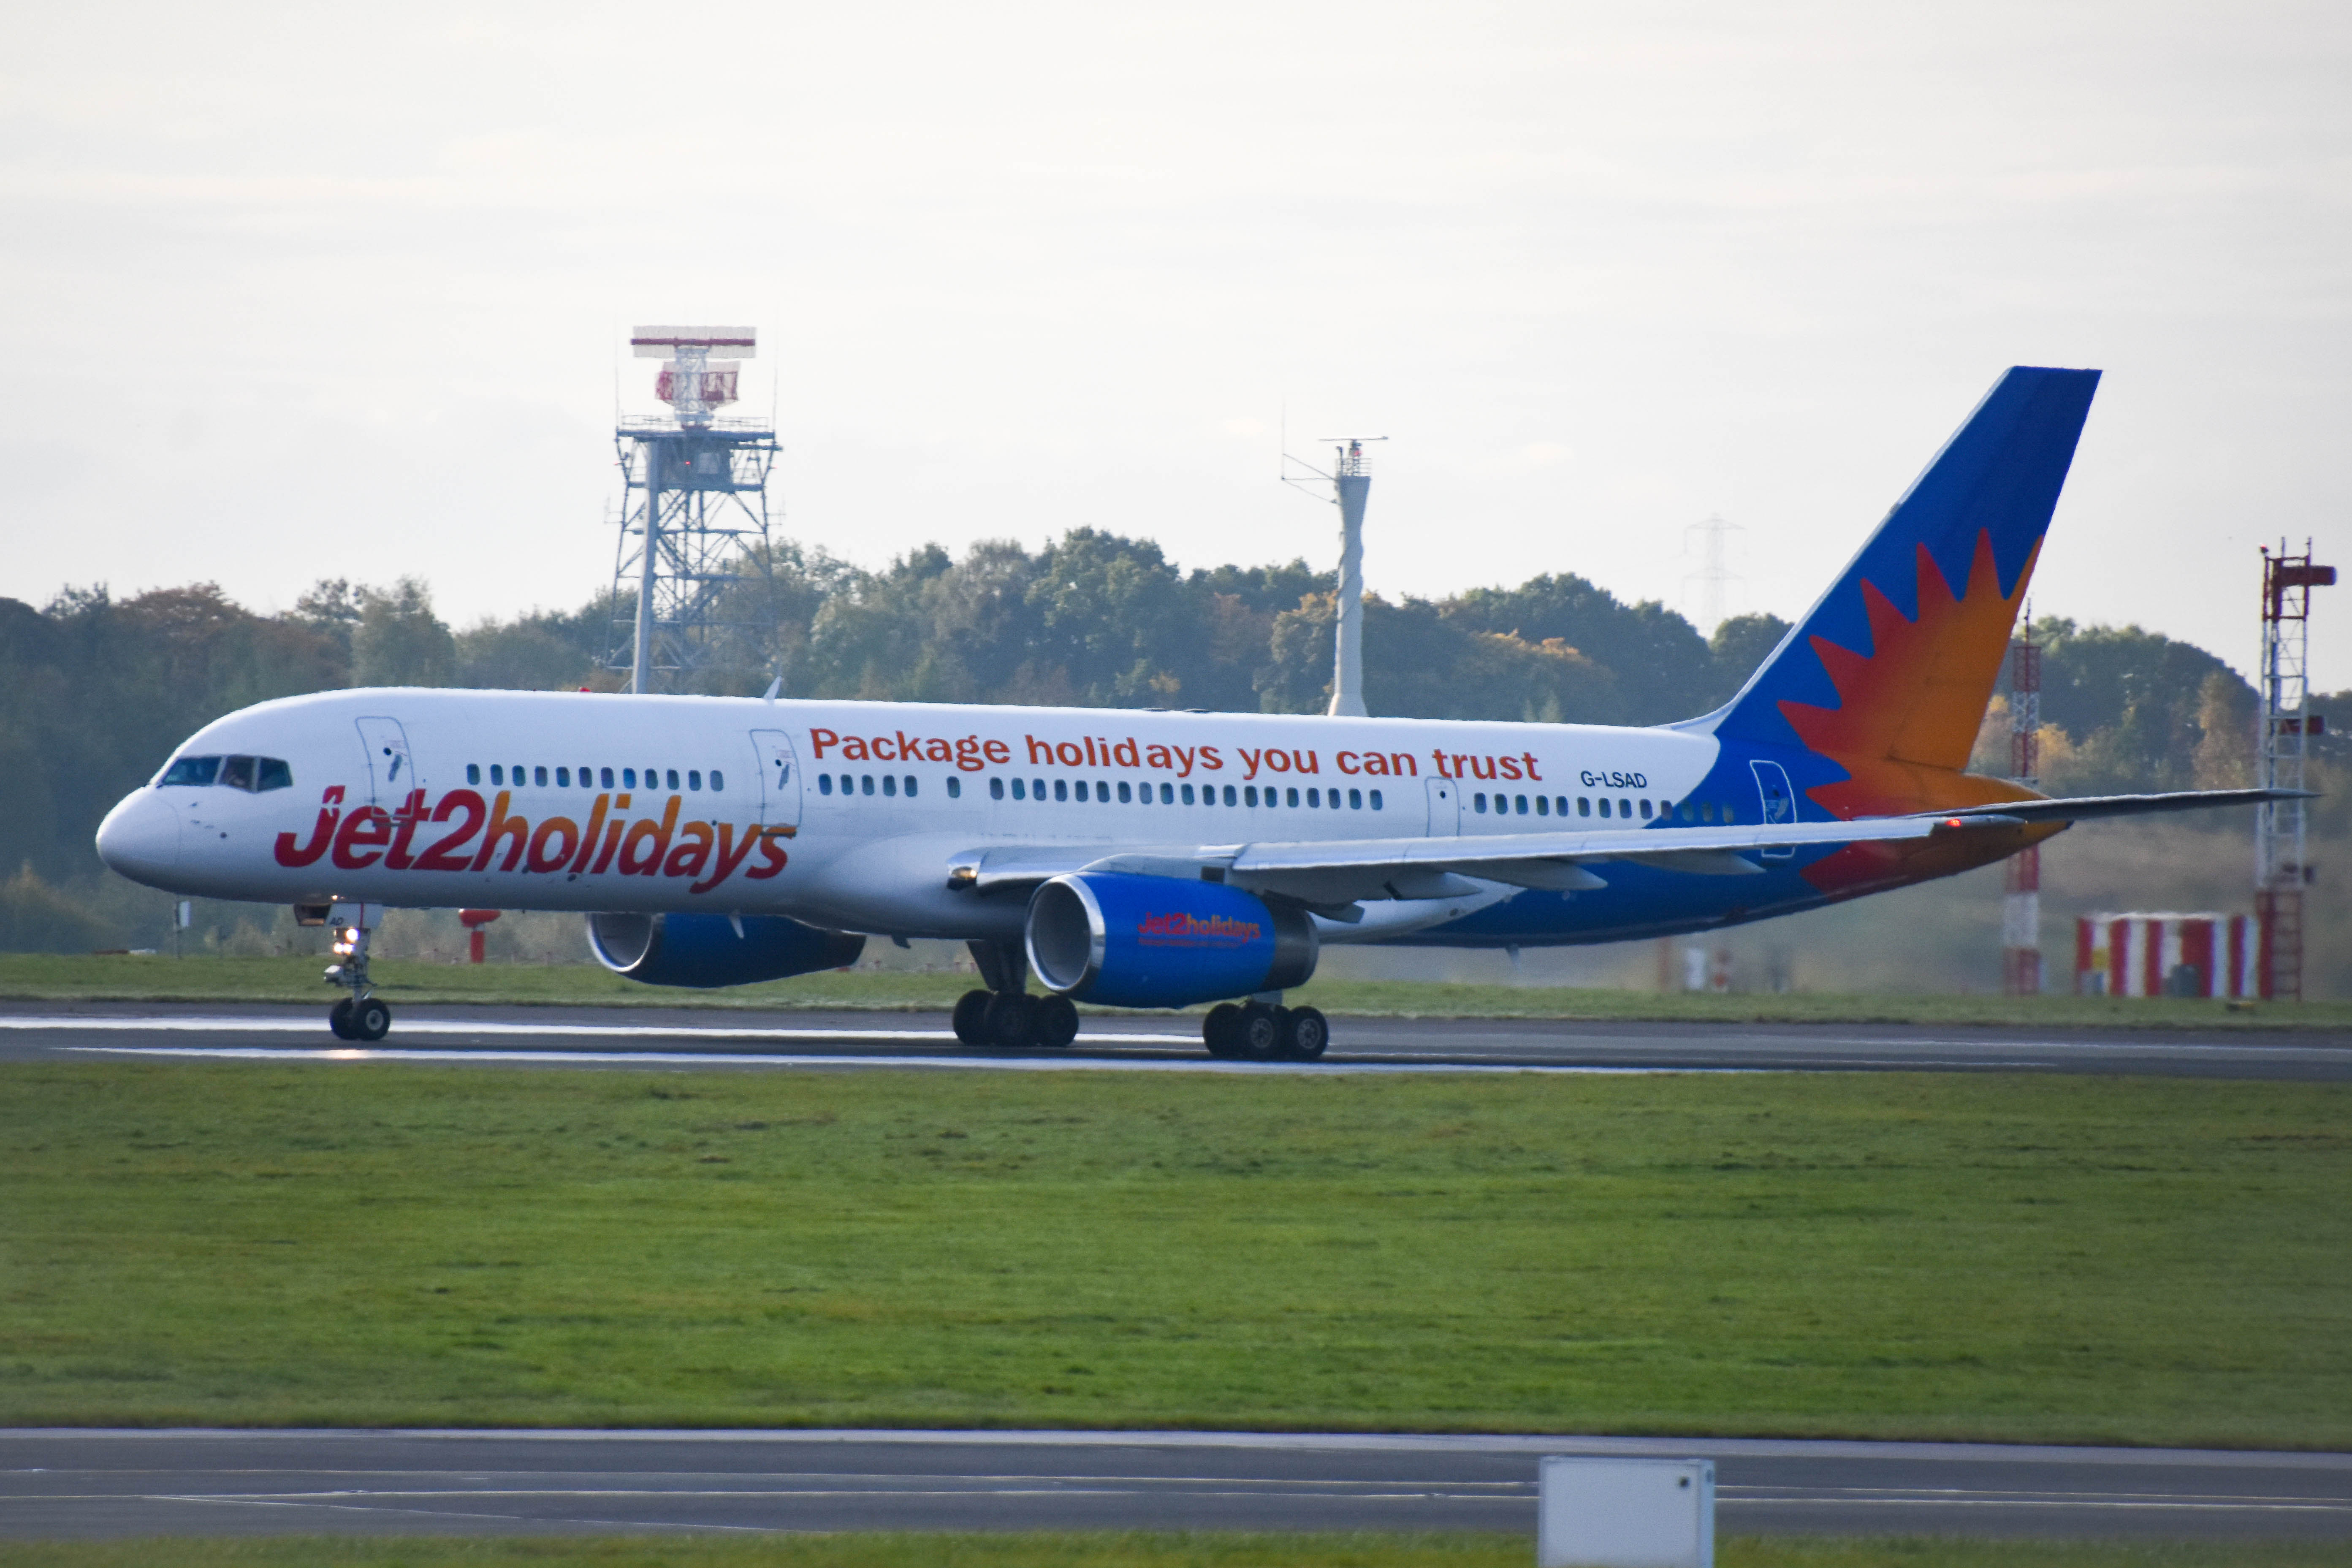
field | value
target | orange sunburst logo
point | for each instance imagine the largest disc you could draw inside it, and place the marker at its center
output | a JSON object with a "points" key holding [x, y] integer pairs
{"points": [[1908, 711]]}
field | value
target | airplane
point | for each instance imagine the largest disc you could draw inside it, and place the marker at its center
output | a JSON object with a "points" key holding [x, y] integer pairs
{"points": [[1151, 858]]}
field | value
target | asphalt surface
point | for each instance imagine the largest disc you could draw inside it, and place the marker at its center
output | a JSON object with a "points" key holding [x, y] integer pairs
{"points": [[616, 1037], [87, 1484]]}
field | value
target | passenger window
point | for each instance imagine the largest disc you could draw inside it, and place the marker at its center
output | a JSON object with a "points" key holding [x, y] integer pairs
{"points": [[539, 777], [1168, 795], [673, 778], [563, 778], [694, 779], [1624, 808], [1376, 800], [1314, 798], [1543, 806], [889, 785], [473, 772], [1037, 788], [1290, 798], [824, 784], [1061, 789], [236, 772], [865, 784], [1479, 801], [1355, 800], [1124, 791], [1729, 815], [1017, 792], [1187, 795], [607, 778], [1522, 801], [1645, 811], [629, 778], [717, 780], [1229, 794], [955, 788], [498, 775], [1604, 806], [910, 786], [275, 774], [996, 789], [1583, 805], [1249, 795]]}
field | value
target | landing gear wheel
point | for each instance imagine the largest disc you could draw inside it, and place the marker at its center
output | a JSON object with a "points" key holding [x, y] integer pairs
{"points": [[339, 1020], [1008, 1018], [972, 1017], [1220, 1030], [371, 1020], [1305, 1033], [1054, 1023], [1259, 1035]]}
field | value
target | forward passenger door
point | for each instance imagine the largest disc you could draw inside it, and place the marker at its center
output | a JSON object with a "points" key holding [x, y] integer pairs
{"points": [[392, 768]]}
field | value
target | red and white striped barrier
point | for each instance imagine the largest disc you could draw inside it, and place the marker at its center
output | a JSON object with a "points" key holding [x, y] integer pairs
{"points": [[2135, 955]]}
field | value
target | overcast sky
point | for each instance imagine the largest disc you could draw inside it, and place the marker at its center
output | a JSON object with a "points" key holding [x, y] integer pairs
{"points": [[311, 290]]}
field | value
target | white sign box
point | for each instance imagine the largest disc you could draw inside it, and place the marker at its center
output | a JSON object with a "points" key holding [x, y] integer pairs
{"points": [[1626, 1513]]}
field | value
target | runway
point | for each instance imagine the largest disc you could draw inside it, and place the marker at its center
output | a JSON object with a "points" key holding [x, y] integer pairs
{"points": [[675, 1038], [109, 1483]]}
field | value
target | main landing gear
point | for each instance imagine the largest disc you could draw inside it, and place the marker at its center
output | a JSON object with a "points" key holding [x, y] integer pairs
{"points": [[1257, 1032], [362, 1015], [1004, 1015]]}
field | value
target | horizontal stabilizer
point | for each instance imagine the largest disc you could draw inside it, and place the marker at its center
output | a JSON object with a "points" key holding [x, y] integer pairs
{"points": [[2091, 807]]}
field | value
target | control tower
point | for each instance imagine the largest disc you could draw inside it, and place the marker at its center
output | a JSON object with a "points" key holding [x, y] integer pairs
{"points": [[694, 515]]}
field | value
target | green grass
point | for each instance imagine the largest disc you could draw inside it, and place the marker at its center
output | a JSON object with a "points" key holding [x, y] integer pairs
{"points": [[47, 977], [2028, 1257], [1106, 1550]]}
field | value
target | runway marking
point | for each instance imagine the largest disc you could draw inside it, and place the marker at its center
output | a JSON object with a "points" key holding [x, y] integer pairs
{"points": [[171, 1023], [749, 1058]]}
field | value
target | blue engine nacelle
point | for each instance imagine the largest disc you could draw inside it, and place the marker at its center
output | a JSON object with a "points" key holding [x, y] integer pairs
{"points": [[707, 949], [1163, 942]]}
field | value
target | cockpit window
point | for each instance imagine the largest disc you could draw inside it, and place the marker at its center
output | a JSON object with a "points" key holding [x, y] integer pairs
{"points": [[253, 773], [191, 771]]}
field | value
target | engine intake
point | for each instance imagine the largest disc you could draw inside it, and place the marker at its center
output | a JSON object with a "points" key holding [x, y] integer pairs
{"points": [[1161, 942], [705, 950]]}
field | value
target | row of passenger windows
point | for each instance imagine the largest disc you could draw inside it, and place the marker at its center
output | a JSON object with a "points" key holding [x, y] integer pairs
{"points": [[591, 778], [1104, 791], [253, 773], [1557, 805]]}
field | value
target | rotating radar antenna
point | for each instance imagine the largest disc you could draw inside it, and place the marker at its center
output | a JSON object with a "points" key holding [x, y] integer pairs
{"points": [[692, 561]]}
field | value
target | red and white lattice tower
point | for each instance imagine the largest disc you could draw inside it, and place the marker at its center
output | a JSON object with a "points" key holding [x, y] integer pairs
{"points": [[2280, 871], [2020, 906]]}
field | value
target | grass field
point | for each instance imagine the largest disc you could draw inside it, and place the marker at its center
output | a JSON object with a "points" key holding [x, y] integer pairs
{"points": [[2037, 1259], [1108, 1550], [46, 977]]}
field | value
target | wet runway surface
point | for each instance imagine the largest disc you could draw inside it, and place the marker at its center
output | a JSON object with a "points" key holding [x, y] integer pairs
{"points": [[630, 1037], [68, 1483]]}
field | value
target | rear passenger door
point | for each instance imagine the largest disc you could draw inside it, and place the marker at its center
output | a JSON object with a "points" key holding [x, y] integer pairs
{"points": [[780, 779]]}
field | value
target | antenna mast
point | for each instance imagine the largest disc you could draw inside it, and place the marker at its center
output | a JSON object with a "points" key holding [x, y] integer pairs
{"points": [[2020, 906], [1352, 486], [2280, 869], [1714, 577]]}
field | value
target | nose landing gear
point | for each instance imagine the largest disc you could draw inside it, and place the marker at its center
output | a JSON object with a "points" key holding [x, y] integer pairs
{"points": [[361, 1016]]}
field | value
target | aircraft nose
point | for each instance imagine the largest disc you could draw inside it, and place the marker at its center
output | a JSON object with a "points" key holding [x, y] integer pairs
{"points": [[141, 837]]}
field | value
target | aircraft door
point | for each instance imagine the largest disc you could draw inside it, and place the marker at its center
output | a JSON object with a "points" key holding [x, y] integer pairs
{"points": [[1779, 802], [780, 779], [391, 767], [1445, 809]]}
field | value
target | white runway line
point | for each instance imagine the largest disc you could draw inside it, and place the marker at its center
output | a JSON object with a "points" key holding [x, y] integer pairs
{"points": [[235, 1025], [748, 1059]]}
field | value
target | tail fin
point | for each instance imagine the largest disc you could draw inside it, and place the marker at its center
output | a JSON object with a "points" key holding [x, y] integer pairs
{"points": [[1896, 664]]}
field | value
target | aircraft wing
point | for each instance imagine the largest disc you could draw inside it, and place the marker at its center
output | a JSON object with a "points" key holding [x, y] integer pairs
{"points": [[1340, 871]]}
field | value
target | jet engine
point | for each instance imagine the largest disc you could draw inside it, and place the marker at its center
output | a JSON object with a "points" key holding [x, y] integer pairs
{"points": [[715, 949], [1128, 941]]}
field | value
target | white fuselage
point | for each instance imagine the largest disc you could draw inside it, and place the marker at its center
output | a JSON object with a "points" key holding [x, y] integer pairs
{"points": [[845, 814]]}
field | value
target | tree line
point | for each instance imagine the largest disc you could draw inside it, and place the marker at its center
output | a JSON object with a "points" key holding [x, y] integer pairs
{"points": [[100, 690]]}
